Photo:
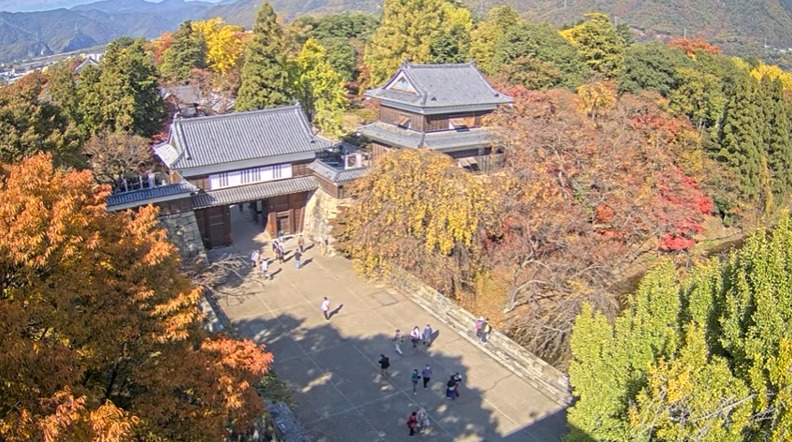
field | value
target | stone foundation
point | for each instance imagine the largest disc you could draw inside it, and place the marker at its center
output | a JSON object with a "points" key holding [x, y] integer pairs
{"points": [[183, 233], [319, 212]]}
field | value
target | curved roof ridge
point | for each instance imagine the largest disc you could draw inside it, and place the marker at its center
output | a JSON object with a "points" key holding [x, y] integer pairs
{"points": [[441, 65], [232, 115], [405, 69]]}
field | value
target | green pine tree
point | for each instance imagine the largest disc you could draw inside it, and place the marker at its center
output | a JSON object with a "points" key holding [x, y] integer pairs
{"points": [[452, 46], [652, 66], [29, 125], [779, 142], [489, 32], [740, 142], [318, 87], [536, 56], [187, 52], [265, 79], [128, 90], [89, 102]]}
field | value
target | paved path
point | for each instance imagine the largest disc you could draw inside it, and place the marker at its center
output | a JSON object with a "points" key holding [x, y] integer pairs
{"points": [[332, 364]]}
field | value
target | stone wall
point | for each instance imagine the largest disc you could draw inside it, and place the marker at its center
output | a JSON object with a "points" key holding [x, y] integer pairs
{"points": [[183, 232], [546, 378], [320, 210]]}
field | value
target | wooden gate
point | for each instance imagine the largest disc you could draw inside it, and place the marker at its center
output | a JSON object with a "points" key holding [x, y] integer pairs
{"points": [[214, 224], [285, 214]]}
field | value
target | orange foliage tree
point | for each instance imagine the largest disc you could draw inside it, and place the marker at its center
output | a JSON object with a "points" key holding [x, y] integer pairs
{"points": [[691, 46], [583, 200], [101, 335]]}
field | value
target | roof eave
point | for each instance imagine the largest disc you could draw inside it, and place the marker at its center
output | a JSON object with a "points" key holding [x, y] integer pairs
{"points": [[208, 169], [147, 201], [439, 110]]}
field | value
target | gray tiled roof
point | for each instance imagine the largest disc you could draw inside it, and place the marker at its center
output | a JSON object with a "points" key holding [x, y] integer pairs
{"points": [[240, 136], [338, 176], [143, 196], [442, 140], [184, 94], [442, 88], [253, 192]]}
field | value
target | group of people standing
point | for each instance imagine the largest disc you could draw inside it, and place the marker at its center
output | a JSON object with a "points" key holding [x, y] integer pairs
{"points": [[262, 264], [424, 337], [483, 329], [418, 421]]}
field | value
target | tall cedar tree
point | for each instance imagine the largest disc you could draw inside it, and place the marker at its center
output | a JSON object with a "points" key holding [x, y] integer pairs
{"points": [[705, 358], [407, 31], [30, 124], [125, 91], [89, 102], [779, 141], [102, 335], [61, 88], [265, 79], [451, 46], [318, 87], [740, 145], [187, 52]]}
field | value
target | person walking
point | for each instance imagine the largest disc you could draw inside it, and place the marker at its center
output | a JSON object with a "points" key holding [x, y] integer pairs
{"points": [[423, 420], [479, 324], [427, 335], [415, 377], [301, 244], [275, 247], [384, 366], [450, 393], [326, 308], [486, 329], [426, 375], [412, 422], [415, 337], [457, 382], [280, 253], [297, 259], [397, 341], [255, 256], [264, 267]]}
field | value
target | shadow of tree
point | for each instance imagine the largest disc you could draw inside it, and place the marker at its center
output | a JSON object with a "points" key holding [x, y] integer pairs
{"points": [[340, 395]]}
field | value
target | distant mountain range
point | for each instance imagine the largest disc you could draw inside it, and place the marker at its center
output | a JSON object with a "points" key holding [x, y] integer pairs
{"points": [[31, 34], [744, 26], [46, 5]]}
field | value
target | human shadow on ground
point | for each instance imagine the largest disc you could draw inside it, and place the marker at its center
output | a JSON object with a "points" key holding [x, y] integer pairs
{"points": [[341, 396], [335, 311]]}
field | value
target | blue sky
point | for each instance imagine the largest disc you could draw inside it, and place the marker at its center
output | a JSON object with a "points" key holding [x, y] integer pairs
{"points": [[42, 5]]}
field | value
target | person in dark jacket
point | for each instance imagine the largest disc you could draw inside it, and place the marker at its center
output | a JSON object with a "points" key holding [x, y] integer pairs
{"points": [[426, 374], [450, 385], [384, 365], [412, 422]]}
